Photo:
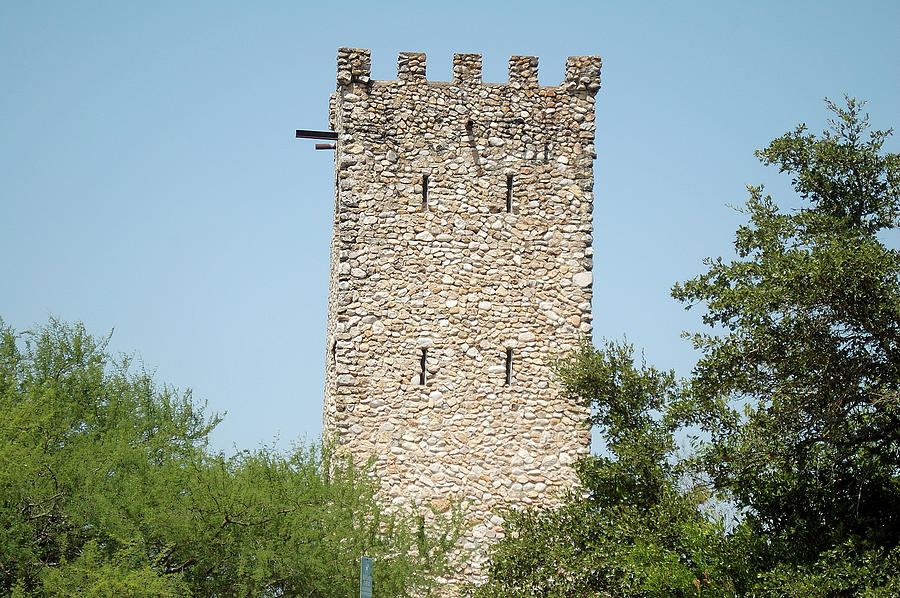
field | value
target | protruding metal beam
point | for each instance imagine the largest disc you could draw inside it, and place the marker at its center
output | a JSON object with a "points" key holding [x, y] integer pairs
{"points": [[325, 146], [304, 134]]}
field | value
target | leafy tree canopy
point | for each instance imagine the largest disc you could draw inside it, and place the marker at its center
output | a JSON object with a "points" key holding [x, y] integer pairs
{"points": [[631, 529], [800, 393], [796, 396], [108, 488]]}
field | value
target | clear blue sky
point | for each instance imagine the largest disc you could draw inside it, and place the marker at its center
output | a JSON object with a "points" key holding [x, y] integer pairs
{"points": [[150, 181]]}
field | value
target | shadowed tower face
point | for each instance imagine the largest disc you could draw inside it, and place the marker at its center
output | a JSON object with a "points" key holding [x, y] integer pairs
{"points": [[460, 268]]}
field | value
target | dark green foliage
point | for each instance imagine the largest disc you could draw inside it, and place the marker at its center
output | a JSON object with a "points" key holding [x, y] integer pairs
{"points": [[631, 530], [851, 569], [107, 488], [796, 398], [800, 393]]}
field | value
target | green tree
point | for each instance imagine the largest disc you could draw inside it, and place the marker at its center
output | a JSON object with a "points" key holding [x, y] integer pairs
{"points": [[296, 525], [632, 529], [796, 396], [798, 384], [108, 488], [89, 456]]}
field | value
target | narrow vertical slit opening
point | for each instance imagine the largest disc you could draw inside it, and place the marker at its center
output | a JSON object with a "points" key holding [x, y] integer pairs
{"points": [[334, 353], [509, 366], [425, 193], [509, 194], [546, 153], [423, 373]]}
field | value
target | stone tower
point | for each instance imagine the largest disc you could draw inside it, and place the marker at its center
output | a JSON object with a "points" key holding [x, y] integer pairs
{"points": [[460, 268]]}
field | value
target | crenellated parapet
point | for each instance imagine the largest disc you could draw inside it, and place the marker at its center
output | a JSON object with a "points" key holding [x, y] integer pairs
{"points": [[582, 73], [411, 67], [467, 68], [354, 65], [523, 70]]}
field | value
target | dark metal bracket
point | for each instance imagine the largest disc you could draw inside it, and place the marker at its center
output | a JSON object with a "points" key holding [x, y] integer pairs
{"points": [[328, 135]]}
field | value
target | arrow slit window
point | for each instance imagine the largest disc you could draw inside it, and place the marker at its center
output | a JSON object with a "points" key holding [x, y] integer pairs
{"points": [[423, 373]]}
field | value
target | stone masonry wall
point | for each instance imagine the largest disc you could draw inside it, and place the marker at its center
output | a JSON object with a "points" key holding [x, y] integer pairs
{"points": [[462, 241]]}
